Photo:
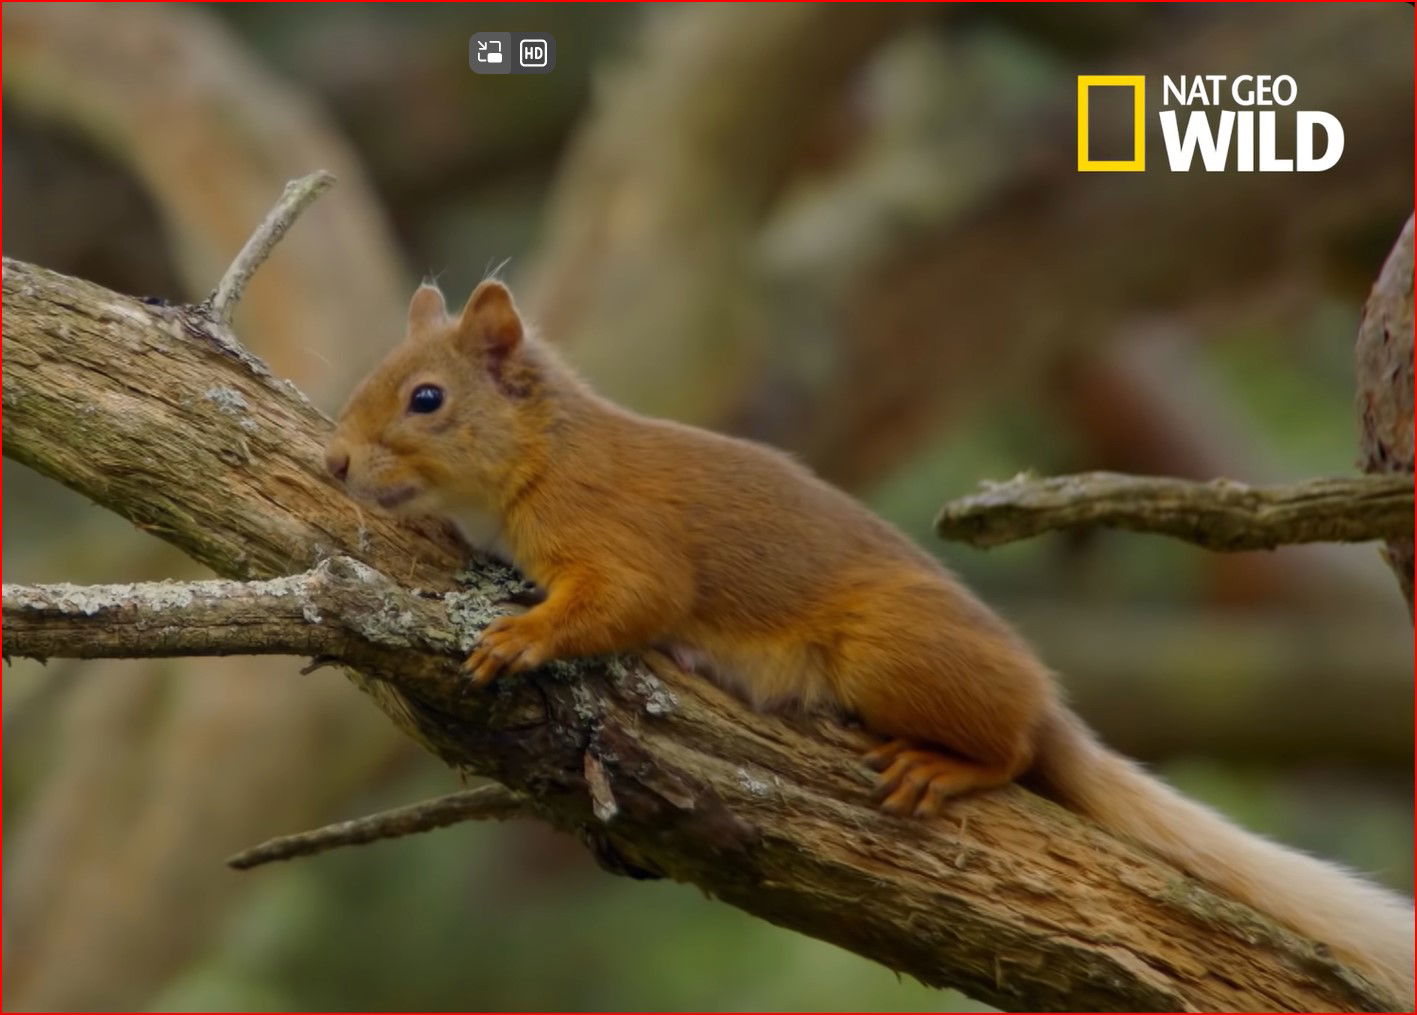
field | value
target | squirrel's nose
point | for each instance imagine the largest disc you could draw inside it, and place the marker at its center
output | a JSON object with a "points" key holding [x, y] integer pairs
{"points": [[338, 464]]}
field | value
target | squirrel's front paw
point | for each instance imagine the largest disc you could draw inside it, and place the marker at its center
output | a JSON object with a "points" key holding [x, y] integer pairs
{"points": [[509, 644]]}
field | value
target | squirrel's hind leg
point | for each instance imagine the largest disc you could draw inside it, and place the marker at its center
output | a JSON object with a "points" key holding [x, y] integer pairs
{"points": [[919, 780], [959, 703]]}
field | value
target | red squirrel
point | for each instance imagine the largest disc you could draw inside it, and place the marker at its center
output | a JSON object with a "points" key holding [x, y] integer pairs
{"points": [[644, 532]]}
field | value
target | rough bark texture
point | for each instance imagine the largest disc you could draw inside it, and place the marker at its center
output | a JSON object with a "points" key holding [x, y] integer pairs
{"points": [[330, 611], [1220, 515], [1146, 686], [1384, 351], [1010, 899]]}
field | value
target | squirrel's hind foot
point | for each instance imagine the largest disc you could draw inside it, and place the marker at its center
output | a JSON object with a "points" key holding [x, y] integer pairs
{"points": [[920, 780]]}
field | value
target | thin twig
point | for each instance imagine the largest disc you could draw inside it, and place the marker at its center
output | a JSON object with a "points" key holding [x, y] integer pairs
{"points": [[1219, 515], [297, 196], [485, 803]]}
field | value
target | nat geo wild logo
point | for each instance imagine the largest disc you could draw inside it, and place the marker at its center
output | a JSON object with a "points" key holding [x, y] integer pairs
{"points": [[1201, 132]]}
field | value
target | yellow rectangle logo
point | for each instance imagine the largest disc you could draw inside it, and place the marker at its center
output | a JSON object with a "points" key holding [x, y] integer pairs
{"points": [[1137, 163]]}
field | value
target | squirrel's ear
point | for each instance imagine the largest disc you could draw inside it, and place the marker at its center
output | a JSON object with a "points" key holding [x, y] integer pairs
{"points": [[426, 310], [490, 321]]}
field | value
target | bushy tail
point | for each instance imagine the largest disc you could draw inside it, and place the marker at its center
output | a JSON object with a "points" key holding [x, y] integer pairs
{"points": [[1366, 926]]}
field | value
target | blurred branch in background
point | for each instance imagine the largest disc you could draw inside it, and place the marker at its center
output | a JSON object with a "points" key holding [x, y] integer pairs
{"points": [[761, 811], [1242, 687], [231, 136], [658, 205], [155, 769], [399, 85], [1385, 379]]}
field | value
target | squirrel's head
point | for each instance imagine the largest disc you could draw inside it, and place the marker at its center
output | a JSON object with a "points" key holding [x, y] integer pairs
{"points": [[444, 421]]}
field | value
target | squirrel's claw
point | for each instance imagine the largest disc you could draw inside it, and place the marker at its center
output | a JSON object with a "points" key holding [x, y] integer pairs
{"points": [[509, 644], [920, 781], [482, 666], [881, 756]]}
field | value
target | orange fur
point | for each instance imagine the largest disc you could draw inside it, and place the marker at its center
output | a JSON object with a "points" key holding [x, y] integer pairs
{"points": [[645, 533]]}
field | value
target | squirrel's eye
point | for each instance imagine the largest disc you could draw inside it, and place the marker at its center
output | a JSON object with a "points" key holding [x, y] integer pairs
{"points": [[425, 398]]}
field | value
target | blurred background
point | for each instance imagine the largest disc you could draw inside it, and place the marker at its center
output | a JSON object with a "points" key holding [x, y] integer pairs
{"points": [[853, 231]]}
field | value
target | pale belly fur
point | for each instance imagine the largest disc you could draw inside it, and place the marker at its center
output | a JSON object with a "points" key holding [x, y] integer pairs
{"points": [[769, 675]]}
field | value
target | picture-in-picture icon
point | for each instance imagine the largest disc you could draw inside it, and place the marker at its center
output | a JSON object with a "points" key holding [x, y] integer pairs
{"points": [[490, 53]]}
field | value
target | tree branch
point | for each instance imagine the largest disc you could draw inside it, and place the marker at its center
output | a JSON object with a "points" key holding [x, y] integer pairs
{"points": [[335, 610], [1219, 515], [1011, 899], [484, 803], [297, 197], [313, 614]]}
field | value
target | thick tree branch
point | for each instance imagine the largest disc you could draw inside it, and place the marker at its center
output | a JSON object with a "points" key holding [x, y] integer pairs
{"points": [[485, 803], [1219, 515], [1011, 899], [324, 613]]}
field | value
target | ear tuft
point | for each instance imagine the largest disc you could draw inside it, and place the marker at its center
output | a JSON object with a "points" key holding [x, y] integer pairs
{"points": [[426, 310], [490, 323]]}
